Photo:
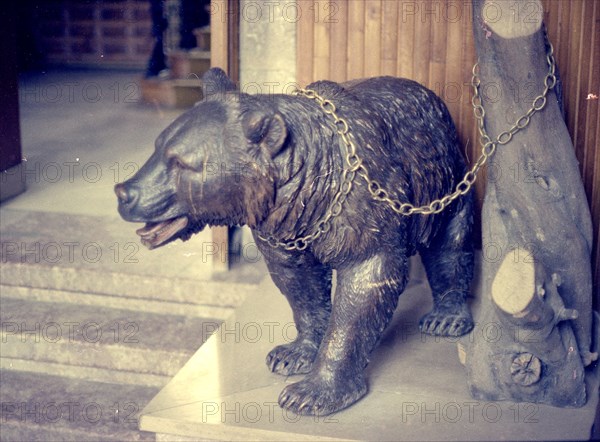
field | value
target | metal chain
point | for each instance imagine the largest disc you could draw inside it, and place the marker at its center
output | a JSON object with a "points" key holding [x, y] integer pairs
{"points": [[348, 174], [354, 164]]}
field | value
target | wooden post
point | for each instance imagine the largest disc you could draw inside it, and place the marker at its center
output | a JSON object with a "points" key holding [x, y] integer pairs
{"points": [[536, 225], [224, 45]]}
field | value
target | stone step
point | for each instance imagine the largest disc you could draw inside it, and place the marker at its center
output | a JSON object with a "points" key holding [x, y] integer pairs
{"points": [[209, 298], [199, 61], [80, 337], [102, 256], [203, 38], [92, 374], [46, 407], [158, 92], [136, 304]]}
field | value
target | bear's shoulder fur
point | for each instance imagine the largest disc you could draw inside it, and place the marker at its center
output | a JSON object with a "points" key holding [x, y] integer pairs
{"points": [[401, 130]]}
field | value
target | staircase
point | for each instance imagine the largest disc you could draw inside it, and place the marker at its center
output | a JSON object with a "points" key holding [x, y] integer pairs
{"points": [[181, 87], [93, 325]]}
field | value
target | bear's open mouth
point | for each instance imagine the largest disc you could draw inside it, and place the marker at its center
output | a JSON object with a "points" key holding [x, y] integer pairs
{"points": [[156, 234]]}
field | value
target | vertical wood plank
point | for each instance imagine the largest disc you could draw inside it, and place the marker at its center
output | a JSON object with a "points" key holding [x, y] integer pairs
{"points": [[575, 73], [406, 39], [338, 30], [562, 48], [389, 37], [551, 17], [570, 67], [304, 43], [593, 124], [466, 123], [218, 34], [321, 41], [356, 38], [592, 143], [589, 82], [452, 89], [219, 56], [438, 60], [372, 50], [422, 47], [233, 40], [595, 209]]}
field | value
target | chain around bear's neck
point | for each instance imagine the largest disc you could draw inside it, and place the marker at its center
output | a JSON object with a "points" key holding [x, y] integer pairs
{"points": [[354, 164]]}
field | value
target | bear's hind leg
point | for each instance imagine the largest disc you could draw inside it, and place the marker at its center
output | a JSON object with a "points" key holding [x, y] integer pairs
{"points": [[306, 284], [449, 265]]}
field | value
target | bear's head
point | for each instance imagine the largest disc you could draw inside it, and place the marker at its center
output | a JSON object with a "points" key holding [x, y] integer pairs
{"points": [[213, 165]]}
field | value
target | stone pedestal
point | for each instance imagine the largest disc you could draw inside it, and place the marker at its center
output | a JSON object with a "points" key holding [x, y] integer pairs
{"points": [[417, 388]]}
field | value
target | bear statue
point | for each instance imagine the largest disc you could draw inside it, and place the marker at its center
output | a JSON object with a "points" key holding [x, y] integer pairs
{"points": [[281, 162]]}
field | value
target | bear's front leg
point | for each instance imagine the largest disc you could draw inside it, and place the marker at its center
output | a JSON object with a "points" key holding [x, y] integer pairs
{"points": [[306, 283], [365, 299]]}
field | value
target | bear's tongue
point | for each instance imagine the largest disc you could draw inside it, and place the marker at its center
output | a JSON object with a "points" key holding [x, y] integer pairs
{"points": [[155, 234]]}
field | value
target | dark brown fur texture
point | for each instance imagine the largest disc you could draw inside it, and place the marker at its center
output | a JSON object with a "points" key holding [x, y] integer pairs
{"points": [[274, 163]]}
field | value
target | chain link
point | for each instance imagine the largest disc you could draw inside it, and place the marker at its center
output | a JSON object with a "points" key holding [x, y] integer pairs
{"points": [[354, 164]]}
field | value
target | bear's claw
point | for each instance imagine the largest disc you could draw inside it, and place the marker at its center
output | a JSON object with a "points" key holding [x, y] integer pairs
{"points": [[293, 358], [319, 397], [447, 320]]}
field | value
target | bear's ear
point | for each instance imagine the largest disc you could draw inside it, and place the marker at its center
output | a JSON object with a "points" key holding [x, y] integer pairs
{"points": [[267, 130], [215, 81]]}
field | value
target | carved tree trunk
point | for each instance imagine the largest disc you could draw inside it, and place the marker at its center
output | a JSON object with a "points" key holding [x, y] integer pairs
{"points": [[534, 335]]}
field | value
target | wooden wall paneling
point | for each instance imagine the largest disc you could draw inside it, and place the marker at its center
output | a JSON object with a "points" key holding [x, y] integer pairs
{"points": [[438, 59], [321, 43], [452, 90], [356, 39], [467, 127], [574, 70], [590, 81], [421, 56], [568, 42], [372, 49], [304, 43], [573, 30], [406, 41], [591, 161], [432, 42], [563, 37], [552, 19], [389, 37], [595, 204], [338, 38]]}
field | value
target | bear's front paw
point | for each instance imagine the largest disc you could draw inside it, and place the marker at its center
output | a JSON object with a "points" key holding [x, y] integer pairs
{"points": [[318, 396], [447, 320], [294, 358]]}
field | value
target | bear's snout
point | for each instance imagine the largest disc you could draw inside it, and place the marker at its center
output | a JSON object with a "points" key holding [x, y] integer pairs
{"points": [[125, 195], [128, 197]]}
